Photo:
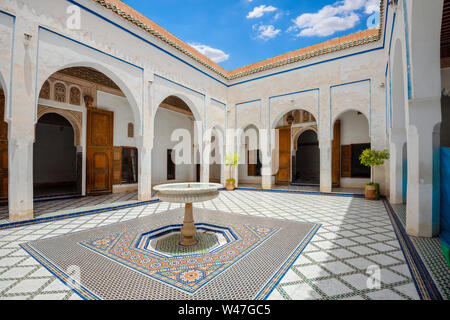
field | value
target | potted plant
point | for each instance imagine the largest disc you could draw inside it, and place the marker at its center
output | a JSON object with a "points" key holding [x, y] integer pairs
{"points": [[232, 161], [371, 158]]}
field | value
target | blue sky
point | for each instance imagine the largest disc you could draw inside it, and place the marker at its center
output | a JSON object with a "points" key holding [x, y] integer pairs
{"points": [[235, 33]]}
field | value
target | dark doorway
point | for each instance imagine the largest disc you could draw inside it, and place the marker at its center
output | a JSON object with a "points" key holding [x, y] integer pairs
{"points": [[170, 165], [55, 165], [307, 159]]}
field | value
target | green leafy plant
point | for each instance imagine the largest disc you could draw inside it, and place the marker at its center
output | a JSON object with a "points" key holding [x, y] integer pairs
{"points": [[232, 161], [371, 158]]}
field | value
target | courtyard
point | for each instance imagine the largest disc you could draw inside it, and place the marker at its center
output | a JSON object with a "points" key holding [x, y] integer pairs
{"points": [[265, 151], [354, 236]]}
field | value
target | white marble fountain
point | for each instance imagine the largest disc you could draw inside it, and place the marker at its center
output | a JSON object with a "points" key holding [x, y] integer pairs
{"points": [[188, 193]]}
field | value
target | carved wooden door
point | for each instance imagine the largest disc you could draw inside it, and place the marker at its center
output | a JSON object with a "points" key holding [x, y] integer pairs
{"points": [[3, 149], [336, 155], [284, 149], [99, 155]]}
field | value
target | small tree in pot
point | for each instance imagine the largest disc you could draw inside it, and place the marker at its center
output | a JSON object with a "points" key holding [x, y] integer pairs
{"points": [[371, 158], [232, 161]]}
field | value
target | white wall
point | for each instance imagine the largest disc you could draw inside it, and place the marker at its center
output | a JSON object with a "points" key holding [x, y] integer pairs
{"points": [[122, 116], [166, 122], [354, 128]]}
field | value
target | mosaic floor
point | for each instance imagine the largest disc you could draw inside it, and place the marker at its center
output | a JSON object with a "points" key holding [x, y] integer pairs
{"points": [[429, 250], [124, 261], [355, 236]]}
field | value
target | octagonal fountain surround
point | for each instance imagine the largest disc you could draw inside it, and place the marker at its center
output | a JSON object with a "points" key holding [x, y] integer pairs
{"points": [[188, 193]]}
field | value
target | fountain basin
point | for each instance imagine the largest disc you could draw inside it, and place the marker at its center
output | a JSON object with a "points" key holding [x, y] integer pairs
{"points": [[188, 192]]}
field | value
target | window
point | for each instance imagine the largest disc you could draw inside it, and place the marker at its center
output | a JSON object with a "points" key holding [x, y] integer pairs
{"points": [[254, 163], [129, 165], [170, 166], [130, 130], [351, 166]]}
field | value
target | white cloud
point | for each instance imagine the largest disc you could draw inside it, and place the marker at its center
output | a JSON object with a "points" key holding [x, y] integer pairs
{"points": [[340, 16], [372, 6], [215, 55], [266, 32], [259, 11]]}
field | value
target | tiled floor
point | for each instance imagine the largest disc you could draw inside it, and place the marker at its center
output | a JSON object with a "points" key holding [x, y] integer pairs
{"points": [[355, 244], [45, 208], [429, 250]]}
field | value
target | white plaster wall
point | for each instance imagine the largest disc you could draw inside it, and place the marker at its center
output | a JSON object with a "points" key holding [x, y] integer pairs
{"points": [[165, 123], [122, 116], [354, 128]]}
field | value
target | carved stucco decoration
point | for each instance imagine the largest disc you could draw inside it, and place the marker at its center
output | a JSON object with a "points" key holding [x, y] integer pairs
{"points": [[297, 132], [75, 96], [60, 92], [45, 91], [74, 117]]}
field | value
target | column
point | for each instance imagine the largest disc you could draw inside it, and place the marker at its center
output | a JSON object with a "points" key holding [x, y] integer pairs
{"points": [[145, 144], [398, 139], [325, 132], [265, 140], [422, 220], [21, 126]]}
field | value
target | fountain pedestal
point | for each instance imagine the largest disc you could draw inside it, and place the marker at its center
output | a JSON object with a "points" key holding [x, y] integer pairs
{"points": [[188, 230], [188, 193]]}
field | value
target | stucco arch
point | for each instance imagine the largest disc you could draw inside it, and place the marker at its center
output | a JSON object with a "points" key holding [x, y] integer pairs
{"points": [[132, 99], [293, 108], [297, 135], [350, 110], [74, 118], [185, 98], [197, 117]]}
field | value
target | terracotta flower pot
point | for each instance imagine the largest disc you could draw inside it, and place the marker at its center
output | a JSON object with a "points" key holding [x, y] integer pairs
{"points": [[371, 192], [230, 185]]}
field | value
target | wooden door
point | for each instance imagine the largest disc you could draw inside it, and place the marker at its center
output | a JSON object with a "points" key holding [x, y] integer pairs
{"points": [[336, 155], [284, 161], [99, 155], [3, 149]]}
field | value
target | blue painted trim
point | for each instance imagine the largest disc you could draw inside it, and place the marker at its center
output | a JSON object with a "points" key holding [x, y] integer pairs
{"points": [[90, 47], [144, 40], [370, 103], [430, 286], [179, 84], [35, 254], [10, 95], [309, 65], [246, 102], [74, 214], [224, 104], [386, 106], [408, 57], [353, 195]]}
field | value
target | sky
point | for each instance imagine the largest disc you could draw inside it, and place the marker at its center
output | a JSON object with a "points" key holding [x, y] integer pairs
{"points": [[235, 33]]}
